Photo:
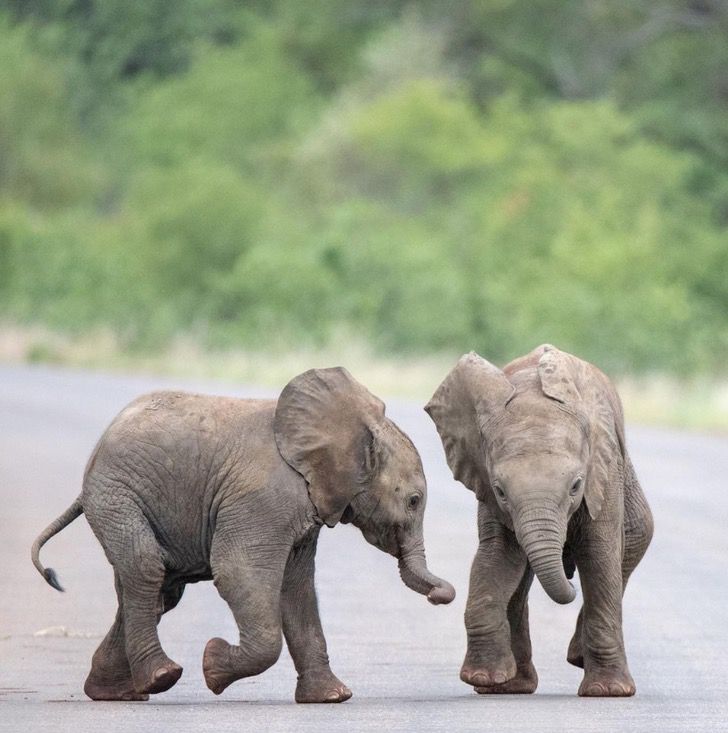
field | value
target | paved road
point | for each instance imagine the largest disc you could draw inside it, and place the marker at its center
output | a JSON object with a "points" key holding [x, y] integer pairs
{"points": [[400, 655]]}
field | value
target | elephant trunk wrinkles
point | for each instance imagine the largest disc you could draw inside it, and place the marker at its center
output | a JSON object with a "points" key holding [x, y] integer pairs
{"points": [[541, 532], [415, 575]]}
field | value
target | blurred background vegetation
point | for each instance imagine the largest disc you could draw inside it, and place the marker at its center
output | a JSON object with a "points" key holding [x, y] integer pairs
{"points": [[421, 177]]}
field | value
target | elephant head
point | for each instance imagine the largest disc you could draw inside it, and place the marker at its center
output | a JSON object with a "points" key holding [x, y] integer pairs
{"points": [[359, 467], [533, 441]]}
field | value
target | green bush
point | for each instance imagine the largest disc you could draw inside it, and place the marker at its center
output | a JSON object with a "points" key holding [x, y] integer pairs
{"points": [[278, 174]]}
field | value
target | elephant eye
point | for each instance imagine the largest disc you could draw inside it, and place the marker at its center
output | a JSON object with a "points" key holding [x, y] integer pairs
{"points": [[413, 501], [499, 492], [575, 488]]}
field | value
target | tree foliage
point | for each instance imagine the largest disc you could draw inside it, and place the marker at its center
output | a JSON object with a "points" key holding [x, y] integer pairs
{"points": [[430, 176]]}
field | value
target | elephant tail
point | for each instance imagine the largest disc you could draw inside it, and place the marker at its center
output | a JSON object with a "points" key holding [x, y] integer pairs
{"points": [[73, 512]]}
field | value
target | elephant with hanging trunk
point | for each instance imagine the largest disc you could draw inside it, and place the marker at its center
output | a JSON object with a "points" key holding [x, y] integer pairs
{"points": [[184, 487], [541, 443]]}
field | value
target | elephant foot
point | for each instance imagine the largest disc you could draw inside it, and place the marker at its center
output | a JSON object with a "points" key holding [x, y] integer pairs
{"points": [[216, 665], [163, 678], [321, 687], [156, 676], [488, 674], [524, 683], [607, 683], [121, 690]]}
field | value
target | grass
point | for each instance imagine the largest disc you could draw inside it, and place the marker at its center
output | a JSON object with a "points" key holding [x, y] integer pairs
{"points": [[698, 403], [405, 377]]}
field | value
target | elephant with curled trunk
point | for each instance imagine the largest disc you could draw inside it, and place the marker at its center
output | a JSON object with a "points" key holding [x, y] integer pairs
{"points": [[184, 487], [541, 443]]}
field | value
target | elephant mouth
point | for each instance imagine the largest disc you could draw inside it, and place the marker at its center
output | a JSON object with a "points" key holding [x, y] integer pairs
{"points": [[383, 538], [407, 545]]}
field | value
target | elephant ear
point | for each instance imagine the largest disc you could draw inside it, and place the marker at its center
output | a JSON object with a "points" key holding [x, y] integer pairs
{"points": [[587, 392], [557, 373], [324, 428], [472, 393]]}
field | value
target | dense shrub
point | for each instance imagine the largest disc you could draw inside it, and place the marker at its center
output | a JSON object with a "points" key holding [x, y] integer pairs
{"points": [[268, 174]]}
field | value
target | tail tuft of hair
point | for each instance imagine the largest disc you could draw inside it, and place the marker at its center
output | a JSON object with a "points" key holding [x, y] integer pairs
{"points": [[52, 579]]}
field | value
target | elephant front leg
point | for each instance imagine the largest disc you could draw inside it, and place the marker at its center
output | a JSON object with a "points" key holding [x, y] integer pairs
{"points": [[526, 680], [254, 599], [302, 629], [599, 559], [498, 569]]}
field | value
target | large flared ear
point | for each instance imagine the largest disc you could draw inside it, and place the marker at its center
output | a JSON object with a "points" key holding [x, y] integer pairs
{"points": [[324, 428], [558, 372], [472, 393], [585, 390]]}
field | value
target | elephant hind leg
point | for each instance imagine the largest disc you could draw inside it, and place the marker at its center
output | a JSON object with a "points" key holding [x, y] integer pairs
{"points": [[638, 523], [136, 557], [110, 675]]}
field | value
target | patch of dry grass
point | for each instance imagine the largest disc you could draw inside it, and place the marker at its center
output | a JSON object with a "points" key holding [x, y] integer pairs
{"points": [[695, 404], [407, 377]]}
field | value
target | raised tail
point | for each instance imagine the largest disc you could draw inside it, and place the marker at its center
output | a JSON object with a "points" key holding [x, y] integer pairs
{"points": [[73, 512]]}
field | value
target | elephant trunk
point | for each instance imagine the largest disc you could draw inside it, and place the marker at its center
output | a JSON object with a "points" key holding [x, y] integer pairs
{"points": [[415, 575], [541, 532]]}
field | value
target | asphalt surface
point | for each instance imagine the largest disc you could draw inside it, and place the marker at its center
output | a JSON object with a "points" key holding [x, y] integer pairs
{"points": [[399, 655]]}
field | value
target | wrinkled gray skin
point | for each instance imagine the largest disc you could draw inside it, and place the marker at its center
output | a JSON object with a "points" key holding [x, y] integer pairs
{"points": [[183, 488], [541, 443]]}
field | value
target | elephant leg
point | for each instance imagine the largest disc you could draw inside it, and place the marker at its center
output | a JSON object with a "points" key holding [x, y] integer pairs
{"points": [[110, 675], [497, 571], [638, 530], [599, 559], [136, 556], [638, 523], [303, 633], [526, 679], [249, 580]]}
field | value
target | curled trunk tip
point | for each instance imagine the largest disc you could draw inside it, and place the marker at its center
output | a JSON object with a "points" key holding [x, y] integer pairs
{"points": [[416, 576], [444, 593], [563, 595], [543, 542]]}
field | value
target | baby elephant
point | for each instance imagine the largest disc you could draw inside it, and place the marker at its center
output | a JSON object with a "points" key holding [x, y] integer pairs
{"points": [[185, 487], [541, 443]]}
